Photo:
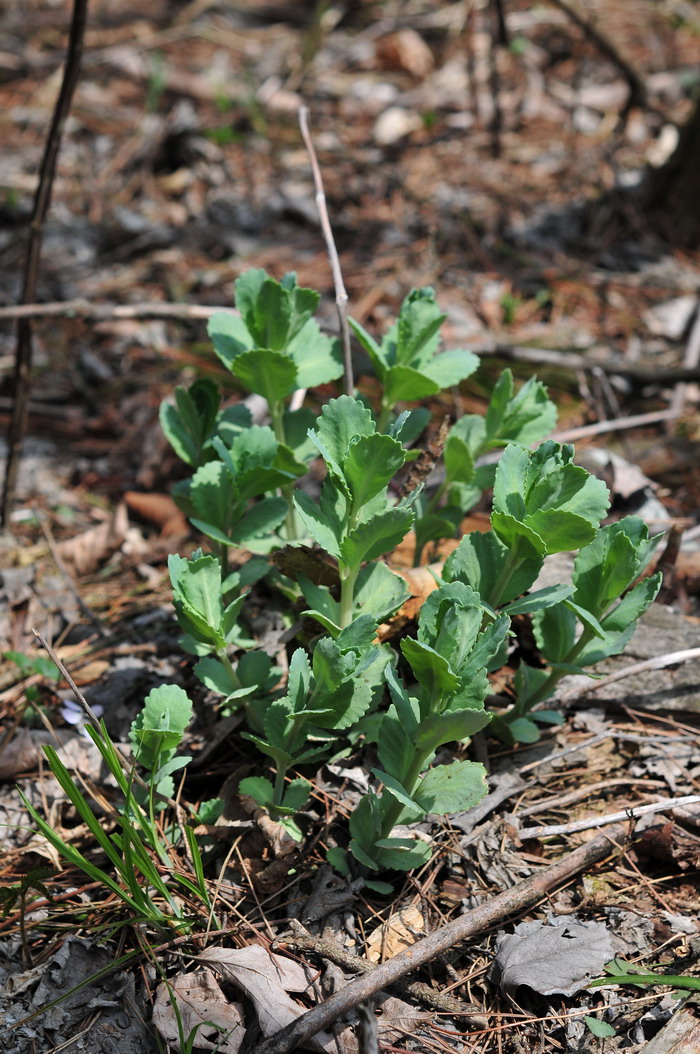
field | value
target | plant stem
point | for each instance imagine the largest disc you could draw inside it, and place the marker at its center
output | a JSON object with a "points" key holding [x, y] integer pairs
{"points": [[348, 577], [548, 686], [409, 783], [291, 527], [383, 418], [511, 564]]}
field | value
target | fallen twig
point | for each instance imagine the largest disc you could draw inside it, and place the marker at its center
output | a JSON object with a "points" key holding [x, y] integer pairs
{"points": [[523, 895], [301, 940], [601, 821], [659, 662], [109, 312]]}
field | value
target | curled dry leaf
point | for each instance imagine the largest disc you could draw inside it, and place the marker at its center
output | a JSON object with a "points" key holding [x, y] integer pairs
{"points": [[265, 978], [397, 933], [405, 50], [159, 509], [90, 550], [280, 840], [203, 1006]]}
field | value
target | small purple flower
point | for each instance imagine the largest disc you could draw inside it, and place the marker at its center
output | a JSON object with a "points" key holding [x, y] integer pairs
{"points": [[72, 714]]}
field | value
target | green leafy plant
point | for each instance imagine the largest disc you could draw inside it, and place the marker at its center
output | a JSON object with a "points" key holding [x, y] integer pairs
{"points": [[619, 972], [407, 362], [327, 695], [449, 659], [512, 418], [354, 520]]}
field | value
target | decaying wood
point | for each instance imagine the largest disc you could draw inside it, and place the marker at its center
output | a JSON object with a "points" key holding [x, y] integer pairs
{"points": [[524, 895]]}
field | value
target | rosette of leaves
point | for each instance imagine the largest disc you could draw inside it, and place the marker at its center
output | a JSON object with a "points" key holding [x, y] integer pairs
{"points": [[195, 419], [275, 347], [513, 417], [449, 660], [354, 520], [407, 360], [542, 504], [594, 622], [212, 629], [324, 697]]}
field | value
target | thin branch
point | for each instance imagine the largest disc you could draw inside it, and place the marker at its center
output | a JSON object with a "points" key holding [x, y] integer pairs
{"points": [[523, 895], [42, 200], [524, 833], [341, 296], [659, 662], [301, 940], [107, 312]]}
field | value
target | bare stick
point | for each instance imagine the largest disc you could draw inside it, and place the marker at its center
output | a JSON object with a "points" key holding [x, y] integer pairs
{"points": [[523, 895], [23, 354], [659, 662], [341, 296], [106, 312], [301, 940], [602, 821]]}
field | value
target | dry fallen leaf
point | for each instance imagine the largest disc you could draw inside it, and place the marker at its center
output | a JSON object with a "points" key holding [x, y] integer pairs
{"points": [[159, 509], [90, 550], [202, 1005], [405, 50], [265, 978], [397, 933]]}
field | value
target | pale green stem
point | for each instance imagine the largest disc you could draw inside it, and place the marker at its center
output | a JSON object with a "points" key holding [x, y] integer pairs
{"points": [[348, 578], [383, 418], [548, 686], [291, 526]]}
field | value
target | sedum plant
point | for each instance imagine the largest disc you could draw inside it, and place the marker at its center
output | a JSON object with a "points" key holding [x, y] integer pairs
{"points": [[407, 362], [344, 691], [354, 520]]}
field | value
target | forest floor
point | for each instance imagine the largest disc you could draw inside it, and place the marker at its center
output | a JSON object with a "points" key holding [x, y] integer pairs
{"points": [[451, 157]]}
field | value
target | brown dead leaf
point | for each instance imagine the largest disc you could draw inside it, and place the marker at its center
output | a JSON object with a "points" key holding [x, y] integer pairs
{"points": [[202, 1005], [398, 1019], [405, 50], [265, 978], [158, 509], [294, 560], [397, 933], [90, 550]]}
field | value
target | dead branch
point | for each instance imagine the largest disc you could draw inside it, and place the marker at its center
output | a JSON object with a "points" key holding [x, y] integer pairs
{"points": [[341, 296], [553, 830], [42, 200], [301, 940], [524, 895], [109, 312]]}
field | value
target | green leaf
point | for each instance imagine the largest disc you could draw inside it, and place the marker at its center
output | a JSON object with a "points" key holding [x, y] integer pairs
{"points": [[380, 534], [166, 713], [229, 335], [215, 676], [358, 636], [271, 374], [541, 598], [318, 358], [555, 631], [452, 788], [394, 788], [379, 592], [321, 530], [395, 745], [509, 484], [371, 347], [371, 461], [261, 519], [478, 561], [296, 794], [214, 496], [431, 670], [341, 421], [600, 1029], [405, 384], [451, 368], [438, 729], [259, 789], [518, 536], [402, 854], [523, 730]]}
